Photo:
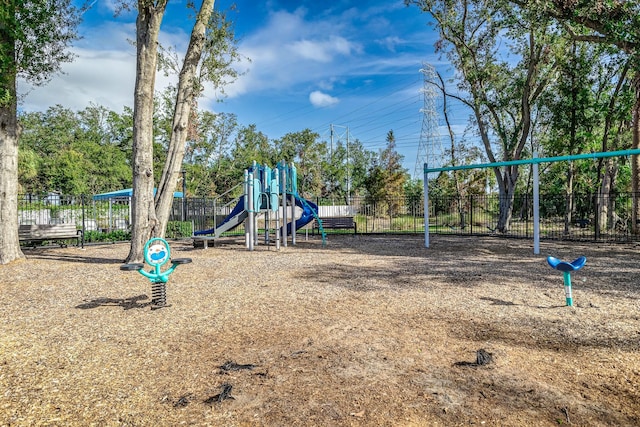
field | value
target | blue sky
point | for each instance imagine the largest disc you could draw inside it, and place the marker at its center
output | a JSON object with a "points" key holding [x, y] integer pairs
{"points": [[352, 64]]}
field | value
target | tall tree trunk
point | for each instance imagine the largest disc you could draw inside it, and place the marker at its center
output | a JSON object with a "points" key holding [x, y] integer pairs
{"points": [[612, 173], [144, 223], [454, 161], [507, 188], [569, 199], [9, 135], [188, 90], [604, 196], [608, 168]]}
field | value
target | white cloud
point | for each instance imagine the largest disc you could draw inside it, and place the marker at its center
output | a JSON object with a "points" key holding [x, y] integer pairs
{"points": [[320, 99], [330, 82], [102, 74], [390, 42], [322, 50], [290, 50], [101, 77]]}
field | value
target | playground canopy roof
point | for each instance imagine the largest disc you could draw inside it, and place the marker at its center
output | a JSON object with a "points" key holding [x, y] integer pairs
{"points": [[127, 192]]}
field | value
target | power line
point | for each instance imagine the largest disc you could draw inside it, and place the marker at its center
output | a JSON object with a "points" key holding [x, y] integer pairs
{"points": [[367, 115]]}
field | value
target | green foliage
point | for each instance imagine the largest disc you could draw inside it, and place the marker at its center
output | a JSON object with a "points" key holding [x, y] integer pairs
{"points": [[526, 75], [178, 229], [344, 163], [34, 38], [375, 185], [220, 52], [218, 152], [28, 170], [413, 194], [304, 149], [387, 177], [73, 153], [113, 236], [5, 98]]}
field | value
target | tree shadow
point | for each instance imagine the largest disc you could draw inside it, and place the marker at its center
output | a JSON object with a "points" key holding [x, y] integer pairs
{"points": [[57, 256], [126, 303], [496, 301]]}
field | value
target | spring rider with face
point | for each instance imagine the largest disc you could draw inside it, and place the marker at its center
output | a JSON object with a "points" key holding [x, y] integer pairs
{"points": [[157, 253]]}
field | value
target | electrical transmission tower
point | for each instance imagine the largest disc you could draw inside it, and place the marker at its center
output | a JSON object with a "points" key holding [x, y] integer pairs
{"points": [[430, 145]]}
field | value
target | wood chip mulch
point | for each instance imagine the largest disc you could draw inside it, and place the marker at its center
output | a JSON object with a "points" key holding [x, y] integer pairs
{"points": [[365, 331]]}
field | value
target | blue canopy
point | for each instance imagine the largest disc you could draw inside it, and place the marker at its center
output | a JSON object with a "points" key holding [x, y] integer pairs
{"points": [[127, 192]]}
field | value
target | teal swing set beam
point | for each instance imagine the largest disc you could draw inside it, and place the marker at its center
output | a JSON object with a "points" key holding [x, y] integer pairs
{"points": [[536, 160]]}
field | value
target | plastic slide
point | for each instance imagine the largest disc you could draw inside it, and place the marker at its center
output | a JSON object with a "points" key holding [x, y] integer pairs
{"points": [[234, 219], [239, 214], [309, 211]]}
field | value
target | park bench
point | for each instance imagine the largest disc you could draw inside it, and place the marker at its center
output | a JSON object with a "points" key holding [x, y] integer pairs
{"points": [[49, 232], [342, 222]]}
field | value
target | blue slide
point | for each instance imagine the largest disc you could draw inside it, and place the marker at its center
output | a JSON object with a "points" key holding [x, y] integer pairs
{"points": [[234, 219], [239, 214], [309, 211]]}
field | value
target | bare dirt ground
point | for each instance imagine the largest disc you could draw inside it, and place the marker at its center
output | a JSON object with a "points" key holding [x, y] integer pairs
{"points": [[365, 331]]}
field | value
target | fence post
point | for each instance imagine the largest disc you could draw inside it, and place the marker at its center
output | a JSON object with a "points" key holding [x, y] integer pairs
{"points": [[526, 213], [83, 227], [471, 213]]}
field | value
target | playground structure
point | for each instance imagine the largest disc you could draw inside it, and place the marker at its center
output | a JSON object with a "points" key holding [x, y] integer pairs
{"points": [[273, 194], [157, 253]]}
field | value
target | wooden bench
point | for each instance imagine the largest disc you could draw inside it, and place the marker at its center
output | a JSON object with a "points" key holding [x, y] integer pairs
{"points": [[49, 232], [342, 222]]}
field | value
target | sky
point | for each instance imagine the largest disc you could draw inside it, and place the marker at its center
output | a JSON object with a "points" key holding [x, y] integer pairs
{"points": [[351, 64]]}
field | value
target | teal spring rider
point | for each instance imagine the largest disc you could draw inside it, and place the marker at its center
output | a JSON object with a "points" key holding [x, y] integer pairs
{"points": [[157, 254], [567, 268]]}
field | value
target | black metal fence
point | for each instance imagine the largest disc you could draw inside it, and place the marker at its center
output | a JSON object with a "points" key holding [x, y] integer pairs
{"points": [[591, 217], [588, 217]]}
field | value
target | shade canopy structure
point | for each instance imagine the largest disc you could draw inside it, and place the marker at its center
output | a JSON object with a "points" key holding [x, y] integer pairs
{"points": [[127, 192]]}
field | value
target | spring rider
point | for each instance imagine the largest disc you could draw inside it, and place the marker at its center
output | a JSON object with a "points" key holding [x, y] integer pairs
{"points": [[567, 268], [157, 254]]}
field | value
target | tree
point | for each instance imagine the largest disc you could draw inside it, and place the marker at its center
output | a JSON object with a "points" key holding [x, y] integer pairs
{"points": [[501, 92], [71, 152], [144, 222], [614, 22], [616, 102], [360, 160], [395, 176], [334, 172], [413, 193], [250, 145], [209, 56], [344, 163], [375, 184], [572, 118], [387, 178], [586, 110], [303, 149], [34, 37], [120, 131]]}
